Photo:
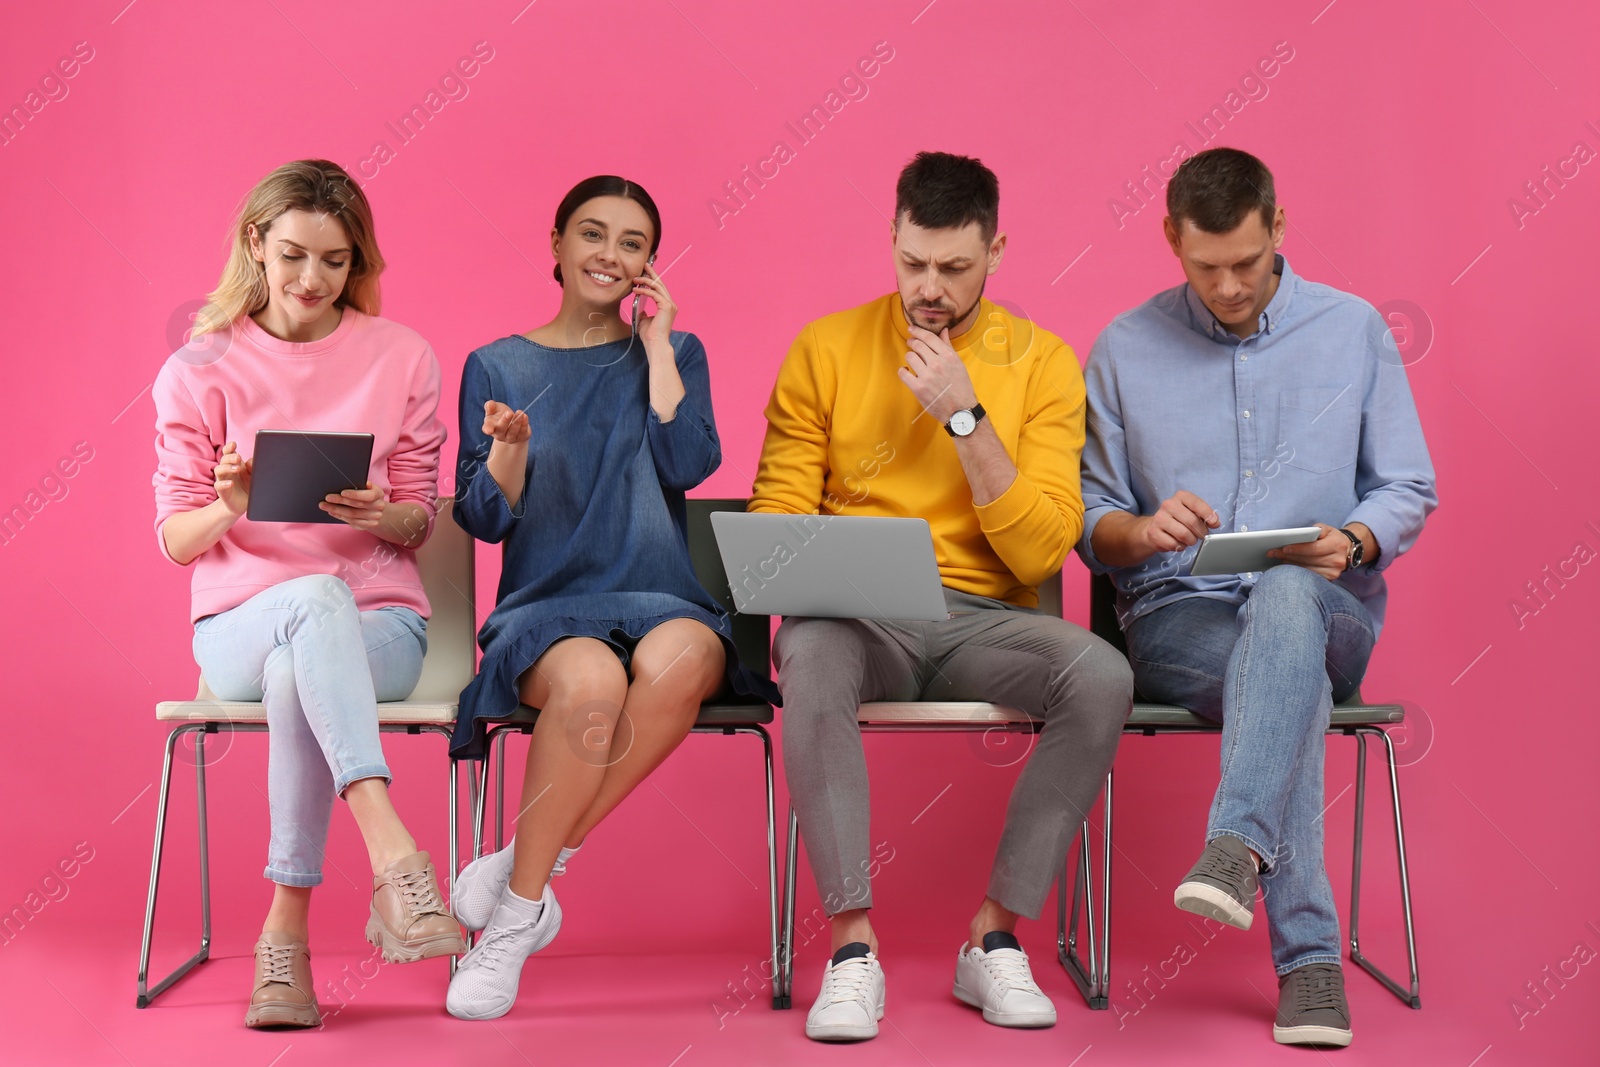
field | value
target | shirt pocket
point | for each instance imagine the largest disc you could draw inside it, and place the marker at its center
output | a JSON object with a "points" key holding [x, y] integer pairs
{"points": [[1319, 428]]}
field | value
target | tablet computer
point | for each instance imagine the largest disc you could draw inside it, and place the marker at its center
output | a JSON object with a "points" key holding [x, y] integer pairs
{"points": [[830, 566], [1238, 553], [292, 471]]}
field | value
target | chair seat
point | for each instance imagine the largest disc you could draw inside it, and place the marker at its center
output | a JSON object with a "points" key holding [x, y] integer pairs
{"points": [[1144, 716], [710, 715], [1347, 714], [394, 712]]}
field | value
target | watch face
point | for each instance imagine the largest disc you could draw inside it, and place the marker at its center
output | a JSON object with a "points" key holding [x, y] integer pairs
{"points": [[962, 423]]}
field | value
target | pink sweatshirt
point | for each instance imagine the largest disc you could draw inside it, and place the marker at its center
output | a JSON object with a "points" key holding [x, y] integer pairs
{"points": [[369, 375]]}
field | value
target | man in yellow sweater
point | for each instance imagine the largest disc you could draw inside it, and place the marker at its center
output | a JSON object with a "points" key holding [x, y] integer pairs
{"points": [[934, 402]]}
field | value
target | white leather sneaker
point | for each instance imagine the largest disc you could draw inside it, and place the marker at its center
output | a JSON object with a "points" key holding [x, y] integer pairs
{"points": [[851, 1001], [998, 980], [485, 983]]}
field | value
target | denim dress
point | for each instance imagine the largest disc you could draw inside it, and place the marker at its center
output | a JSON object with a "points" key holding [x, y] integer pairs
{"points": [[597, 545]]}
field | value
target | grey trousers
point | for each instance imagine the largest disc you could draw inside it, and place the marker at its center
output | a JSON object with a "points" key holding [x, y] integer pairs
{"points": [[1050, 668]]}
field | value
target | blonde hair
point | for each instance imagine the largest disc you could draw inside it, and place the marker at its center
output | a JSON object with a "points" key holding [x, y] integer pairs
{"points": [[313, 185]]}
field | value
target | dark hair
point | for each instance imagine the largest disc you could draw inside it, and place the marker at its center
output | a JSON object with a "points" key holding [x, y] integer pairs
{"points": [[607, 185], [943, 191], [1216, 189]]}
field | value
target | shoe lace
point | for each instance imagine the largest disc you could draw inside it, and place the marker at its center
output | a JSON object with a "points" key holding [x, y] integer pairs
{"points": [[420, 893], [277, 964], [1317, 989], [848, 981], [495, 944], [1226, 867], [1011, 971]]}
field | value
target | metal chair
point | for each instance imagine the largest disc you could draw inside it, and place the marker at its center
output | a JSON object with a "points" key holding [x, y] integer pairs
{"points": [[963, 716], [446, 566], [1352, 718], [752, 638]]}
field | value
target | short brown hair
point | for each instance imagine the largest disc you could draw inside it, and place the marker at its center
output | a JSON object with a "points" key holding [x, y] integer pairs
{"points": [[1216, 189]]}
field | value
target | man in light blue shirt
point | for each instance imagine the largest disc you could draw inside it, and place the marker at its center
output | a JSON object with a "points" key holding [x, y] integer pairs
{"points": [[1251, 399]]}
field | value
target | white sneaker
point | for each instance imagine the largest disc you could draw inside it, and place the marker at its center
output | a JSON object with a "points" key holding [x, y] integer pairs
{"points": [[485, 983], [851, 1001], [1000, 982], [480, 882]]}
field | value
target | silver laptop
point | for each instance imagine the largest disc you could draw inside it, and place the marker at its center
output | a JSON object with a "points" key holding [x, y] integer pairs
{"points": [[834, 566]]}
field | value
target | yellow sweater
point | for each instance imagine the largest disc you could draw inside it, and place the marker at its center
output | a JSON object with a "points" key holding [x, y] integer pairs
{"points": [[845, 436]]}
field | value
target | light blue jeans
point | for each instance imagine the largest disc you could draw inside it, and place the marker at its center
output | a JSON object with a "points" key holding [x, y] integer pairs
{"points": [[320, 666], [1271, 670]]}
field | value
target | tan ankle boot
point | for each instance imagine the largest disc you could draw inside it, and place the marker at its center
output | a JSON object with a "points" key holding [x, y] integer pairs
{"points": [[282, 996], [409, 921]]}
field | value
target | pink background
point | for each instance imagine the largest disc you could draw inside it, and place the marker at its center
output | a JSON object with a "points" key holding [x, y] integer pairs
{"points": [[1398, 134]]}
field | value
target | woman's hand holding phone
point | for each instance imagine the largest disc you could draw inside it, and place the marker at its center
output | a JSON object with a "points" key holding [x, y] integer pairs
{"points": [[654, 330]]}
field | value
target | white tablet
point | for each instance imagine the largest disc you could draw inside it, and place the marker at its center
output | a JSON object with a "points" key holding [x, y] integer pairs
{"points": [[291, 472], [1238, 553]]}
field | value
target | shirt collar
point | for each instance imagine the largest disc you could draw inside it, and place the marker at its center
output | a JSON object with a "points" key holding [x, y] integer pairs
{"points": [[1272, 316]]}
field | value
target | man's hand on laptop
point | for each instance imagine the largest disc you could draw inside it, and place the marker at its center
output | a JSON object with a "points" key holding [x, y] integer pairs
{"points": [[936, 376]]}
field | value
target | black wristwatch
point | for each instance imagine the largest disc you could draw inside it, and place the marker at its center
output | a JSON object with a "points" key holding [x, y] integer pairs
{"points": [[1357, 550], [963, 422]]}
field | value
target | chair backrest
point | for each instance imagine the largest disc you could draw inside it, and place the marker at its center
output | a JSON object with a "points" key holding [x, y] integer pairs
{"points": [[1103, 612], [752, 634], [446, 565], [1050, 595]]}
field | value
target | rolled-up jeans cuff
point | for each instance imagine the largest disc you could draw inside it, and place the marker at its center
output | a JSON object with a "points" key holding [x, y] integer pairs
{"points": [[367, 770], [1251, 843], [1308, 960], [298, 879]]}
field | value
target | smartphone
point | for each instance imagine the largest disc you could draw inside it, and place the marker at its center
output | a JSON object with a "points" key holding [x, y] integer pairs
{"points": [[638, 301]]}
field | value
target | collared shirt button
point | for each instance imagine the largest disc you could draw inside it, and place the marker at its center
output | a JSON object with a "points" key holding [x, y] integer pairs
{"points": [[1249, 474], [1243, 357], [1244, 529], [1247, 413]]}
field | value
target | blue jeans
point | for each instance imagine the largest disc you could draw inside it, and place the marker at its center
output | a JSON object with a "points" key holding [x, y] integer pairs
{"points": [[1271, 671], [320, 666]]}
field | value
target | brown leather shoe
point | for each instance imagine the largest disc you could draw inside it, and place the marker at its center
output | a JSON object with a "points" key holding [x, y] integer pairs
{"points": [[282, 997], [409, 921]]}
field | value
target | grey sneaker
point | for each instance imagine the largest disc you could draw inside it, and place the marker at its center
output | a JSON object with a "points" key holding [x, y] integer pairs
{"points": [[1222, 885], [1311, 1007]]}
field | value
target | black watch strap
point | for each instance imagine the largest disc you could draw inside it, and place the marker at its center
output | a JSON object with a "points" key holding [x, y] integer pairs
{"points": [[1357, 550]]}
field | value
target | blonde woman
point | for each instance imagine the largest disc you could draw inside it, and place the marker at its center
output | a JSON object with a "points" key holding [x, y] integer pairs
{"points": [[291, 340]]}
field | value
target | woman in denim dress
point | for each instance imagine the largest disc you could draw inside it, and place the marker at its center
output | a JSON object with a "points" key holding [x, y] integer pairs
{"points": [[578, 442]]}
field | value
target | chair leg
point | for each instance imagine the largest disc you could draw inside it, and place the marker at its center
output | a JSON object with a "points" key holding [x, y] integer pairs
{"points": [[786, 945], [1412, 997], [780, 992], [1085, 978], [1104, 998], [147, 994], [1094, 979], [454, 836], [497, 756]]}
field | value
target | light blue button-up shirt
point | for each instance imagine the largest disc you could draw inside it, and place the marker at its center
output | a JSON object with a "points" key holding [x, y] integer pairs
{"points": [[1309, 419]]}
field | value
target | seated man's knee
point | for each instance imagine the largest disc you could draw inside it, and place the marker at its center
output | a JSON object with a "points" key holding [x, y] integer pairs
{"points": [[1288, 580]]}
